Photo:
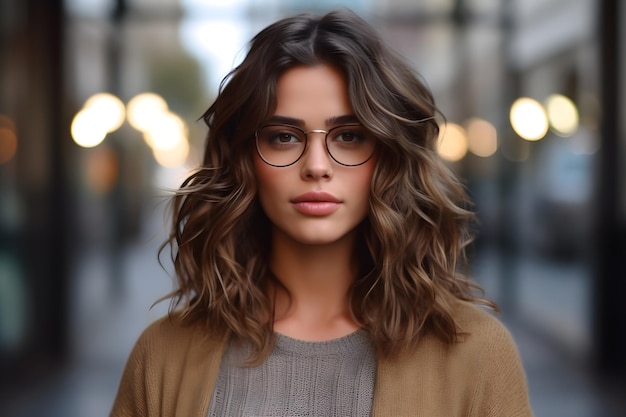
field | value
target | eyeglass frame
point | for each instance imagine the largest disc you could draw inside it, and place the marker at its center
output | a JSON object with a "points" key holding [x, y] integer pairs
{"points": [[306, 143]]}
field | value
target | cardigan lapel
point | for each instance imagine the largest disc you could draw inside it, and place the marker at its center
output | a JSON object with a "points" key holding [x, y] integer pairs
{"points": [[410, 385], [202, 365]]}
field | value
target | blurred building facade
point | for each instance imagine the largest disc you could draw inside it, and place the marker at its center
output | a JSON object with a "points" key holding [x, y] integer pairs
{"points": [[551, 247]]}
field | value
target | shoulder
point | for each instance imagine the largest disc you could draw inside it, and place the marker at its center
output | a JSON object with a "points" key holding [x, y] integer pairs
{"points": [[172, 362], [167, 327], [478, 325], [171, 345], [479, 375], [484, 341], [171, 336]]}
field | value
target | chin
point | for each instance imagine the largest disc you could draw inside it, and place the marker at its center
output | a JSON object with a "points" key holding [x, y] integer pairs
{"points": [[320, 236], [319, 240]]}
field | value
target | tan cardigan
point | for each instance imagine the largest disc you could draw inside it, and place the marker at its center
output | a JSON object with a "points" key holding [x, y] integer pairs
{"points": [[172, 371]]}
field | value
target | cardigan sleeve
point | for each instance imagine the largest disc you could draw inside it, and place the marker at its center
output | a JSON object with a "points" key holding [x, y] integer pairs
{"points": [[131, 398], [501, 388]]}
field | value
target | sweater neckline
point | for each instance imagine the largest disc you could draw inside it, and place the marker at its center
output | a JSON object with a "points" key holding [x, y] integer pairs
{"points": [[348, 343]]}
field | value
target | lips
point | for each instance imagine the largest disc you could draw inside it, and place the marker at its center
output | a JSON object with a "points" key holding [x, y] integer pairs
{"points": [[316, 203], [316, 196]]}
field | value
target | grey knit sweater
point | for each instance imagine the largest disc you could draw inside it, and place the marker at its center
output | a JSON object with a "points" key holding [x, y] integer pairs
{"points": [[299, 378]]}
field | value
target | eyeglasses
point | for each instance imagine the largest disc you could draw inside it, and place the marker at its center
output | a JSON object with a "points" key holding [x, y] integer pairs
{"points": [[284, 145]]}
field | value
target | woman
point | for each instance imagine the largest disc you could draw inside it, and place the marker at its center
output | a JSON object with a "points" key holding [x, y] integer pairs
{"points": [[317, 249]]}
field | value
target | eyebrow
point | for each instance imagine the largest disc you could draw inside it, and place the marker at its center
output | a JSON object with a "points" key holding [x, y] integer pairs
{"points": [[332, 121]]}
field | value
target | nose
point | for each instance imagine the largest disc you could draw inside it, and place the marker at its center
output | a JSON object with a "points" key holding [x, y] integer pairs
{"points": [[316, 162]]}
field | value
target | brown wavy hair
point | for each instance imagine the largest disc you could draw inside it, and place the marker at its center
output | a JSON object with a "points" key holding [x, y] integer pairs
{"points": [[412, 243]]}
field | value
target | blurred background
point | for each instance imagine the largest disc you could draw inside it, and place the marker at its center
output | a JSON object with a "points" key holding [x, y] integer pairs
{"points": [[99, 101]]}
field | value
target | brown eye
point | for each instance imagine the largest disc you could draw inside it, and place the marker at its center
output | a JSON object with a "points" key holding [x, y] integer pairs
{"points": [[283, 137], [348, 137]]}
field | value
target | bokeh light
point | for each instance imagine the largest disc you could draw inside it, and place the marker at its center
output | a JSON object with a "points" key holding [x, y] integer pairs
{"points": [[165, 132], [529, 119], [8, 144], [87, 128], [102, 169], [452, 144], [562, 114], [482, 137], [110, 109], [171, 158], [144, 109], [8, 139], [101, 114]]}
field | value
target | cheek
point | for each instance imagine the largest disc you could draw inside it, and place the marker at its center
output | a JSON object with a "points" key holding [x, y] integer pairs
{"points": [[368, 177], [267, 179], [260, 173], [361, 187]]}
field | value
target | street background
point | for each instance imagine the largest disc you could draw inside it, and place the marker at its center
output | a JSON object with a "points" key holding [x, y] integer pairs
{"points": [[99, 109]]}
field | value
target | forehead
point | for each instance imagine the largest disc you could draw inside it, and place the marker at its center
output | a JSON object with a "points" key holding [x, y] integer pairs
{"points": [[313, 94]]}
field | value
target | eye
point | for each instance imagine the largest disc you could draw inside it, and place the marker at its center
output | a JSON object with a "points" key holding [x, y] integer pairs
{"points": [[283, 137], [349, 135]]}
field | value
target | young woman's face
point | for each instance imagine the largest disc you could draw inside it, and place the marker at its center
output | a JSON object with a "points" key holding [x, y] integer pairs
{"points": [[316, 200]]}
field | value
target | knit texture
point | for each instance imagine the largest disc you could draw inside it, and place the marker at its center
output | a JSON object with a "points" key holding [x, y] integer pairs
{"points": [[299, 378], [173, 369]]}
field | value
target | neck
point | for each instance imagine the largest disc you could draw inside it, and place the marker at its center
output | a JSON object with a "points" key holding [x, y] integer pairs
{"points": [[314, 303]]}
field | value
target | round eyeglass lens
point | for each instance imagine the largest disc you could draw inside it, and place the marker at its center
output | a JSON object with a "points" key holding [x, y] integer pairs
{"points": [[350, 144], [280, 145]]}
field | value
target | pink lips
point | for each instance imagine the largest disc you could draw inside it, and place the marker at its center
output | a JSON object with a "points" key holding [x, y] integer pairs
{"points": [[316, 203]]}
